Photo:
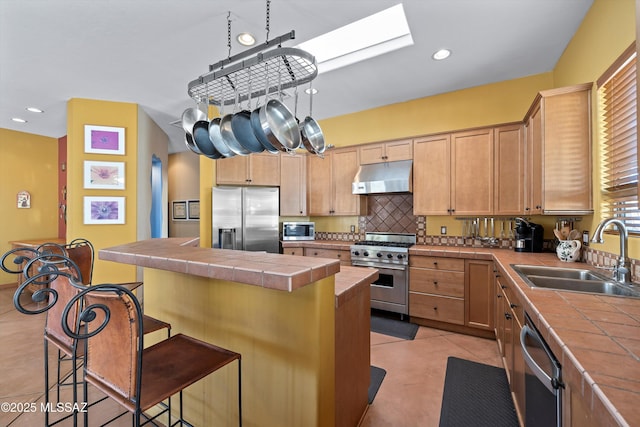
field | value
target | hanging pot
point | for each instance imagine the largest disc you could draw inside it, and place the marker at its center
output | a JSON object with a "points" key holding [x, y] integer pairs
{"points": [[202, 140], [312, 137], [216, 138], [188, 139], [256, 127], [279, 125], [229, 138], [242, 130]]}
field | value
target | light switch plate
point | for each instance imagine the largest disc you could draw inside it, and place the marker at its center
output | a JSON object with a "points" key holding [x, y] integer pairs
{"points": [[443, 229]]}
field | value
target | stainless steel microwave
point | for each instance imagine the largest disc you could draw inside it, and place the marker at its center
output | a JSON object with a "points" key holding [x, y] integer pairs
{"points": [[298, 230]]}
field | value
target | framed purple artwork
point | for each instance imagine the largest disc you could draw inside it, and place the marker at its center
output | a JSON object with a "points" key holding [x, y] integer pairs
{"points": [[103, 140], [104, 210]]}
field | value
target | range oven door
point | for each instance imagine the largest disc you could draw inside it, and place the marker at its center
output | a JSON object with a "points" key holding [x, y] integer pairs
{"points": [[390, 291]]}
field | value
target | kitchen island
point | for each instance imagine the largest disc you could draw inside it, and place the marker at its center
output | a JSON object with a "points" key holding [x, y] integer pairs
{"points": [[301, 325]]}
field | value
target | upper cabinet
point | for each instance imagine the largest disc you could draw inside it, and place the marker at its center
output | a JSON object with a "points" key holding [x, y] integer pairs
{"points": [[509, 158], [254, 169], [558, 139], [293, 185], [386, 151], [453, 173], [329, 183]]}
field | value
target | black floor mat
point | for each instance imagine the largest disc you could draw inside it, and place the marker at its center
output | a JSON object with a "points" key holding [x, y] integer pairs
{"points": [[393, 327], [377, 375], [476, 395]]}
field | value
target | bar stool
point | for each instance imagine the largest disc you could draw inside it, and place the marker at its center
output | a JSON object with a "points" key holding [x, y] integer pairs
{"points": [[116, 362]]}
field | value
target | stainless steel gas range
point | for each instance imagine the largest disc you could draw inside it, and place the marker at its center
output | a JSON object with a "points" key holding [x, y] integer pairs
{"points": [[389, 253]]}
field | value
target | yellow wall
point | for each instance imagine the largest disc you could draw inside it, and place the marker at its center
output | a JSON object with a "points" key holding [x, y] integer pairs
{"points": [[27, 162], [81, 112]]}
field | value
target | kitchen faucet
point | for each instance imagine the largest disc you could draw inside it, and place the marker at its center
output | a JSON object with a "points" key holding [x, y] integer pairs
{"points": [[621, 272]]}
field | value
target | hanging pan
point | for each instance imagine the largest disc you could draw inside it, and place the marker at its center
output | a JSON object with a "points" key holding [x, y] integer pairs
{"points": [[241, 126], [256, 126], [279, 124], [312, 137], [227, 132]]}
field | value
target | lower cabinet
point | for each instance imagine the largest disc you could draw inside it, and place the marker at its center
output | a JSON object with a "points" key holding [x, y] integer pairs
{"points": [[343, 256], [509, 317], [454, 291], [293, 251]]}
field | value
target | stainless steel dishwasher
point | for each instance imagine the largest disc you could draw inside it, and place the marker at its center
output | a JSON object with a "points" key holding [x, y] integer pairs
{"points": [[543, 379]]}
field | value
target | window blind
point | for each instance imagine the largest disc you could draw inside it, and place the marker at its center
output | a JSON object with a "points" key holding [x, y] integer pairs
{"points": [[619, 180]]}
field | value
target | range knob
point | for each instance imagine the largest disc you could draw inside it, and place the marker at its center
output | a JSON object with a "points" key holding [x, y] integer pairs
{"points": [[400, 256], [356, 253], [379, 255], [389, 256], [365, 253]]}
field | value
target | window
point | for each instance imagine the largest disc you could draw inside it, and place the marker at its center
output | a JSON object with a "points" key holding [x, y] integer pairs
{"points": [[618, 115]]}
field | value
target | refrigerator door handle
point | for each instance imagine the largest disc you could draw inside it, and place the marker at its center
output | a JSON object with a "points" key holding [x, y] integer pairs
{"points": [[226, 236]]}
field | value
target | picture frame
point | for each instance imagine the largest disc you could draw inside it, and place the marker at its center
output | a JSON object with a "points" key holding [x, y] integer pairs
{"points": [[23, 200], [193, 209], [104, 140], [179, 210], [104, 175], [104, 210]]}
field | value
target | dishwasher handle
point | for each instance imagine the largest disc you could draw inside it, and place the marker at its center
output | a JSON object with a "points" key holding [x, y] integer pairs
{"points": [[552, 384]]}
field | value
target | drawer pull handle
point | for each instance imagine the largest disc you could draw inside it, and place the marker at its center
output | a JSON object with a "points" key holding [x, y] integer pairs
{"points": [[339, 255], [315, 253], [435, 283], [503, 286], [512, 305], [435, 308], [435, 263], [507, 316]]}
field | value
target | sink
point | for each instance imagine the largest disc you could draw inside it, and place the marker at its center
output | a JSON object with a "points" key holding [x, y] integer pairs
{"points": [[573, 280]]}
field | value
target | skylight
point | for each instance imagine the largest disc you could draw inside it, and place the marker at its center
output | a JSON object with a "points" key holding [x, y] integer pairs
{"points": [[366, 38]]}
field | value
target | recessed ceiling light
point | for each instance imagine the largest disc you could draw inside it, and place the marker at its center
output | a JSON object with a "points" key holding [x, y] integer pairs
{"points": [[441, 54], [311, 91], [18, 119], [34, 110], [366, 38], [246, 39]]}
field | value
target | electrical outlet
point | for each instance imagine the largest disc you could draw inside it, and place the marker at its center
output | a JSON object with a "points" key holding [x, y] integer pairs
{"points": [[443, 229], [353, 228]]}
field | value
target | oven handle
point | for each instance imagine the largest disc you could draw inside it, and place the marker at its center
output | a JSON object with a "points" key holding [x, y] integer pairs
{"points": [[386, 267], [544, 378]]}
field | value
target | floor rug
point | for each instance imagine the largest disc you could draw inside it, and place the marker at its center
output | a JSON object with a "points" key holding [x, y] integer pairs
{"points": [[393, 327], [377, 375], [476, 395]]}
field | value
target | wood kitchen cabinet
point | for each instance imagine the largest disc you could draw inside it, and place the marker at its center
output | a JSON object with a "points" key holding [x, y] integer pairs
{"points": [[436, 289], [293, 251], [254, 169], [329, 183], [293, 185], [479, 294], [509, 157], [454, 173], [343, 256], [509, 316], [386, 151], [558, 144]]}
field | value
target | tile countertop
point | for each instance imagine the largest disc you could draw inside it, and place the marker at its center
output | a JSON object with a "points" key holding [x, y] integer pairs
{"points": [[273, 271], [595, 337]]}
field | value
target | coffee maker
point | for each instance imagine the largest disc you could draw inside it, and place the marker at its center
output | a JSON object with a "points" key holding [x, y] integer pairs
{"points": [[529, 236]]}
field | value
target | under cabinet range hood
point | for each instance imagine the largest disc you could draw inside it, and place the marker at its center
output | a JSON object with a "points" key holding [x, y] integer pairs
{"points": [[387, 177]]}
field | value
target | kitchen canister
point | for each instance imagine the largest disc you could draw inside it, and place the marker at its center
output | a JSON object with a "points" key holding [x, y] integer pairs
{"points": [[568, 250]]}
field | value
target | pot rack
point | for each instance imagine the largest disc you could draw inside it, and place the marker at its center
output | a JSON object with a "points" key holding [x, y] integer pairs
{"points": [[254, 73]]}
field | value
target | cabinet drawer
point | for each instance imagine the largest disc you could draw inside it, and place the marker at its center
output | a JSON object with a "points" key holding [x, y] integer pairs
{"points": [[293, 251], [436, 282], [343, 256], [437, 263], [511, 299], [443, 309]]}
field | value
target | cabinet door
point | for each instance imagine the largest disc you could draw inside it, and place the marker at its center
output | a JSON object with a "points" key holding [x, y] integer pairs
{"points": [[264, 169], [432, 175], [479, 294], [293, 185], [471, 172], [567, 153], [343, 169], [398, 150], [233, 170], [509, 152], [319, 185], [371, 153], [533, 181]]}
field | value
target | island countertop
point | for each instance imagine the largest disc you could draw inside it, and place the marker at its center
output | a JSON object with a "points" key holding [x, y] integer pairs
{"points": [[273, 271]]}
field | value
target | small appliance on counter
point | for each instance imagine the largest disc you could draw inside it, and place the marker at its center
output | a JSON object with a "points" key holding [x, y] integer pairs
{"points": [[298, 230], [528, 236]]}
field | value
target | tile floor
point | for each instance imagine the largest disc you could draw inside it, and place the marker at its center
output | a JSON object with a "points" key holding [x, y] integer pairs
{"points": [[409, 396]]}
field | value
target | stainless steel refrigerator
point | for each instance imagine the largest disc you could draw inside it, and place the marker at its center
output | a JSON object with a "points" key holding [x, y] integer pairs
{"points": [[245, 218]]}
